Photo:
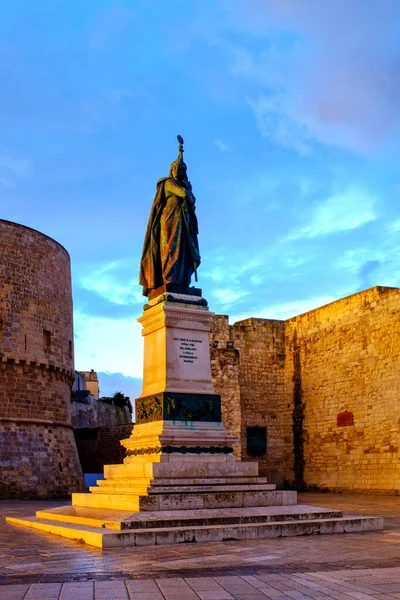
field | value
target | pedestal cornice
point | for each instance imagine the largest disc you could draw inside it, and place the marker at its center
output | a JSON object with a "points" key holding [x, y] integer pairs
{"points": [[174, 314]]}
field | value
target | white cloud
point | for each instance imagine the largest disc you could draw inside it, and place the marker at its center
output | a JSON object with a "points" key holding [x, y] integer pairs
{"points": [[13, 168], [326, 71], [108, 345], [292, 260], [5, 182], [256, 280], [306, 186], [215, 274], [354, 259], [221, 145], [395, 225], [106, 281], [117, 382], [227, 297], [273, 122], [340, 212], [231, 263]]}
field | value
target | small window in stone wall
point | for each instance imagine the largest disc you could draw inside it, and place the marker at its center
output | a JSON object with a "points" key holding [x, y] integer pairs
{"points": [[345, 419], [256, 441], [46, 340], [70, 349]]}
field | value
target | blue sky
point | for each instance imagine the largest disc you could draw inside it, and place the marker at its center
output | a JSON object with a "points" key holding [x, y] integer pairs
{"points": [[290, 111]]}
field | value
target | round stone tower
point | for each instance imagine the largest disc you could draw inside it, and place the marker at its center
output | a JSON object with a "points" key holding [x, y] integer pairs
{"points": [[38, 456]]}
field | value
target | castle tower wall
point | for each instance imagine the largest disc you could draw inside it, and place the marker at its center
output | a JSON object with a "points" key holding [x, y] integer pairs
{"points": [[261, 345], [225, 377], [38, 456], [325, 385], [248, 371], [342, 373]]}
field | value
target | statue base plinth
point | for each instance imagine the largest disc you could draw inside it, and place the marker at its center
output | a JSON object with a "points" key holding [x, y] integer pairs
{"points": [[175, 288], [176, 348], [177, 441], [175, 406], [178, 415], [177, 299]]}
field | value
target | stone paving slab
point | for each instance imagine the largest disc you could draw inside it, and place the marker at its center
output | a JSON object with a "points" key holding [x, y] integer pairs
{"points": [[381, 584], [356, 566]]}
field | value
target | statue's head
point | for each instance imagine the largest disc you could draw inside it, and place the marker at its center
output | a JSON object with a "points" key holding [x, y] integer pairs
{"points": [[178, 170]]}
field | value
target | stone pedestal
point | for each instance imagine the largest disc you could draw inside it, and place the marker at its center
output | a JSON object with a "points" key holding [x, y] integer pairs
{"points": [[178, 415], [176, 347]]}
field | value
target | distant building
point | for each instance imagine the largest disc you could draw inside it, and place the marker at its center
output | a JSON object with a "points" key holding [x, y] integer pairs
{"points": [[92, 383], [99, 424]]}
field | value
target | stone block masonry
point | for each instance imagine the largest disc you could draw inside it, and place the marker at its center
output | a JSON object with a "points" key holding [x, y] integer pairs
{"points": [[349, 353], [261, 347], [38, 456], [248, 372], [96, 413], [101, 446], [225, 375], [326, 387], [38, 460]]}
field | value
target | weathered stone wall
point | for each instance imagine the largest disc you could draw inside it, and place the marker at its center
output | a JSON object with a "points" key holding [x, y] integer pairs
{"points": [[260, 343], [101, 446], [250, 379], [95, 413], [225, 374], [325, 384], [38, 457], [347, 371], [225, 377], [38, 460]]}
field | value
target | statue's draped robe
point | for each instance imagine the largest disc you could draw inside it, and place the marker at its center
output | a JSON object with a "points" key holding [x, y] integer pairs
{"points": [[170, 250]]}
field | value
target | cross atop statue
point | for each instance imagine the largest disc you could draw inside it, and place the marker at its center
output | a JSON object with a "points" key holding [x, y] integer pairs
{"points": [[171, 250]]}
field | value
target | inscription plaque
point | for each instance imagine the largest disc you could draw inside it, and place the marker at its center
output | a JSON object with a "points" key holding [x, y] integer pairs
{"points": [[188, 349]]}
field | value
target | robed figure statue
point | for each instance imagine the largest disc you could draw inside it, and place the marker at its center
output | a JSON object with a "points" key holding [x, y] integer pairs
{"points": [[171, 250]]}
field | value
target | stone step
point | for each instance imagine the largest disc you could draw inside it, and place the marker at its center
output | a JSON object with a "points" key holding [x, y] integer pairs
{"points": [[185, 481], [182, 470], [112, 501], [183, 501], [92, 517], [123, 520], [116, 488], [103, 538], [93, 536], [210, 481]]}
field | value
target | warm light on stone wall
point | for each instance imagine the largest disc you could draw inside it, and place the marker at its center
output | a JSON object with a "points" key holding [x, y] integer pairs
{"points": [[38, 456], [325, 384]]}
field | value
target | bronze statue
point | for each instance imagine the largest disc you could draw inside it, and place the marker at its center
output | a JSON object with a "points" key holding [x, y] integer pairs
{"points": [[171, 249]]}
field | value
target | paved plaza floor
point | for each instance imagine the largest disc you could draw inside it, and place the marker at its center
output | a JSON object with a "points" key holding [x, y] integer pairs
{"points": [[40, 566]]}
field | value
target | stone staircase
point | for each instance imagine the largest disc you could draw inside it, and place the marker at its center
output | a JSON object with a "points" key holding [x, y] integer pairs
{"points": [[149, 503]]}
